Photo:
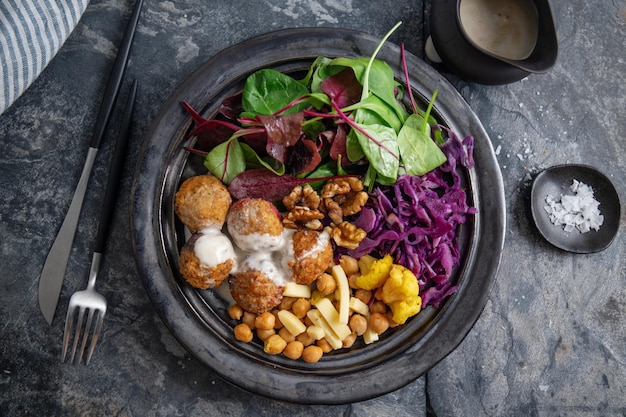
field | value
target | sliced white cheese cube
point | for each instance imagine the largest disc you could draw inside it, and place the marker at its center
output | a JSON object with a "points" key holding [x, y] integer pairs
{"points": [[342, 293], [359, 306], [297, 290], [315, 332], [329, 335], [331, 315], [291, 322], [370, 336]]}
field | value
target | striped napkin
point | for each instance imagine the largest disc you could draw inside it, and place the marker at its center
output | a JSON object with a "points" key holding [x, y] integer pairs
{"points": [[31, 33]]}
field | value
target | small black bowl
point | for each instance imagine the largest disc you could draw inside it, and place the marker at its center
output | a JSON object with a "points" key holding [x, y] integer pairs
{"points": [[472, 63], [555, 181]]}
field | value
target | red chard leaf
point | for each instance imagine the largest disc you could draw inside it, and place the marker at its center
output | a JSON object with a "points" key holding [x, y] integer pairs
{"points": [[343, 88], [277, 151], [303, 157], [231, 107], [212, 133], [282, 133], [284, 130], [194, 114], [257, 141], [262, 183], [338, 146]]}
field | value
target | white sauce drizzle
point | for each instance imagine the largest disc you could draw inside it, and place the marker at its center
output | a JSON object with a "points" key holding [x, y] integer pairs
{"points": [[262, 261], [213, 247], [322, 241], [255, 242], [271, 255]]}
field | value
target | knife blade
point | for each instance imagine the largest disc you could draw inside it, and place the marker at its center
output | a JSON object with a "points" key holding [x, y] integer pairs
{"points": [[53, 272]]}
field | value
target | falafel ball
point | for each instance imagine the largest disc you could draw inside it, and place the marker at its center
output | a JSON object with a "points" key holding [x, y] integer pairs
{"points": [[258, 284], [312, 255], [202, 201], [255, 225], [207, 259]]}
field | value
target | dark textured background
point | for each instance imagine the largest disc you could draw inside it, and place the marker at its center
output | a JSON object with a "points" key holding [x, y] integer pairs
{"points": [[551, 340]]}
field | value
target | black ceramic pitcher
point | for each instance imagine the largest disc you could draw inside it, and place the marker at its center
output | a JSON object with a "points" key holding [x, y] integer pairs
{"points": [[450, 44]]}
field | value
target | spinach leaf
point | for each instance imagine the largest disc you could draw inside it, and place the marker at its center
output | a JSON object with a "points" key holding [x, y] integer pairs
{"points": [[226, 160], [323, 170], [353, 147], [380, 80], [382, 154], [373, 110], [254, 161], [419, 153], [267, 91]]}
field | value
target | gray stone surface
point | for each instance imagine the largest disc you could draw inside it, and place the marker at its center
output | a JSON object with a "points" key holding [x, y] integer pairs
{"points": [[551, 340]]}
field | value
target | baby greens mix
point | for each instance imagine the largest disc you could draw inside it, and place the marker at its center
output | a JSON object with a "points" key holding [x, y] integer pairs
{"points": [[344, 117]]}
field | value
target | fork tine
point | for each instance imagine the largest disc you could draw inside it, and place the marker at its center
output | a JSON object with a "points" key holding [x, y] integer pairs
{"points": [[69, 328], [79, 326], [96, 335], [86, 332]]}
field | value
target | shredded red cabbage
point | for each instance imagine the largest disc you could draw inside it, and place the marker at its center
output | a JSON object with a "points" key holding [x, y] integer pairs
{"points": [[416, 221]]}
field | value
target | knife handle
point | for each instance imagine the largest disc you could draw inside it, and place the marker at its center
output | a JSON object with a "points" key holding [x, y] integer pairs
{"points": [[115, 172]]}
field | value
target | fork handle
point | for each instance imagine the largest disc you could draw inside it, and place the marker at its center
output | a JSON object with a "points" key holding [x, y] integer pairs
{"points": [[115, 78], [117, 165]]}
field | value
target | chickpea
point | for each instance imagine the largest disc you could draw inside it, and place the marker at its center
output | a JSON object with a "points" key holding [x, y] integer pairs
{"points": [[235, 312], [286, 334], [293, 350], [378, 307], [349, 265], [379, 323], [379, 293], [243, 333], [277, 323], [349, 341], [308, 322], [274, 345], [358, 324], [305, 339], [324, 345], [352, 281], [312, 354], [363, 295], [248, 318], [265, 321], [263, 334], [286, 303], [301, 307], [326, 284]]}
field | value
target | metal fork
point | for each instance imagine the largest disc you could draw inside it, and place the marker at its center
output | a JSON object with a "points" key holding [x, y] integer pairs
{"points": [[89, 300]]}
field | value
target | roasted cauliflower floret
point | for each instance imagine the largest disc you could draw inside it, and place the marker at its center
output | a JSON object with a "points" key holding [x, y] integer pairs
{"points": [[376, 275], [401, 293]]}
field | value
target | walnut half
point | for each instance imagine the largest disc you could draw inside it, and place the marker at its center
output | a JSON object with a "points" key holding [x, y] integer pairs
{"points": [[303, 217], [347, 235], [302, 196], [343, 197]]}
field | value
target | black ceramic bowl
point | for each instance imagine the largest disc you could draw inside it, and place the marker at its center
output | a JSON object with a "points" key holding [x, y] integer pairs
{"points": [[555, 181], [472, 63], [199, 320]]}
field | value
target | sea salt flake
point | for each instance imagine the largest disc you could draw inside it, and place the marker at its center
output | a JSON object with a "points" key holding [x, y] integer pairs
{"points": [[579, 211]]}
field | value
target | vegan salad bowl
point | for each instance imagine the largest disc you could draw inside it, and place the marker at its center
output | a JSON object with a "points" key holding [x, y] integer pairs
{"points": [[199, 318]]}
